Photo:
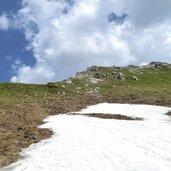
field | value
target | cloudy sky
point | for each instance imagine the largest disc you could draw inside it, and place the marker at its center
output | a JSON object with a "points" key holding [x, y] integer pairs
{"points": [[50, 40]]}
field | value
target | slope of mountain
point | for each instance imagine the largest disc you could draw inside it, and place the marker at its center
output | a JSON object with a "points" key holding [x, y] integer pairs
{"points": [[24, 106]]}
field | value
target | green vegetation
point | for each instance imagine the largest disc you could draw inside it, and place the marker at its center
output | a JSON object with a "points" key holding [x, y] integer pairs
{"points": [[153, 83]]}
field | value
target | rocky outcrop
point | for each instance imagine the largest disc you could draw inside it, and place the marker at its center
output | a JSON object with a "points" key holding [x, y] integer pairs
{"points": [[118, 75], [133, 77], [93, 68], [99, 73], [100, 76], [117, 67], [131, 67], [158, 64], [81, 75]]}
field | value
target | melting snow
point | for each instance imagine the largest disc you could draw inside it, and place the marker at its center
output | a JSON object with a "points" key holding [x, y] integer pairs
{"points": [[84, 143]]}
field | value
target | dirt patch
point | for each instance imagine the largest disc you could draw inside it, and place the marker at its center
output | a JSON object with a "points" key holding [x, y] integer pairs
{"points": [[19, 123], [18, 129], [169, 113], [109, 116]]}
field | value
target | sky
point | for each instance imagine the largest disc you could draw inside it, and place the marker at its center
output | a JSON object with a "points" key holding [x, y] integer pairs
{"points": [[51, 40]]}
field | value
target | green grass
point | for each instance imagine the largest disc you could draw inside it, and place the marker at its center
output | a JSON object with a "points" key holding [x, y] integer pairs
{"points": [[152, 82], [154, 78]]}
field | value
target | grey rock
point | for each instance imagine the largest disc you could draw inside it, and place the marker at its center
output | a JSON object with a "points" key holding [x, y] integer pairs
{"points": [[93, 68], [80, 75], [130, 67], [158, 64], [118, 75], [100, 76], [116, 67], [133, 66], [69, 81], [134, 78]]}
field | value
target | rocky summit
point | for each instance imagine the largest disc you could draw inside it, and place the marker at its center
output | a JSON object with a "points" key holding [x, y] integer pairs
{"points": [[120, 73]]}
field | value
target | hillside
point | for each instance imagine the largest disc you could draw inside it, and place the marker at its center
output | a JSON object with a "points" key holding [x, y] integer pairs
{"points": [[24, 106]]}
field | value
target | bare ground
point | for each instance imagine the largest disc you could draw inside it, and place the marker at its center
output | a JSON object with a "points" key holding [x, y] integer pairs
{"points": [[169, 113], [19, 122], [108, 116]]}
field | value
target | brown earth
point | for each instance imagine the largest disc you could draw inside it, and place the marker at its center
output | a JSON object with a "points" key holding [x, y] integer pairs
{"points": [[19, 122], [108, 116], [19, 130], [169, 113]]}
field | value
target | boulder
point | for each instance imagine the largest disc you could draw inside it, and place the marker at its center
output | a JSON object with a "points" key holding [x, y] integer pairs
{"points": [[133, 77], [158, 64], [81, 75], [131, 67], [118, 75], [93, 68], [117, 67], [100, 76]]}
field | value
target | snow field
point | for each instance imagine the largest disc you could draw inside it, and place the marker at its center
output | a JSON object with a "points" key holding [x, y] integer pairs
{"points": [[84, 143]]}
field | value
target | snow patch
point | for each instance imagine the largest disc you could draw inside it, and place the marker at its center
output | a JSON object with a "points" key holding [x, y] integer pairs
{"points": [[91, 144]]}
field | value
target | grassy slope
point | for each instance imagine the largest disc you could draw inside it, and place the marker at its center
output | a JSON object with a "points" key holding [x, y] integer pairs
{"points": [[151, 81], [24, 106], [153, 86]]}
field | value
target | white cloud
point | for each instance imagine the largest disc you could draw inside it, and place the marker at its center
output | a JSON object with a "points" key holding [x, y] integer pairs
{"points": [[16, 65], [28, 74], [66, 43], [145, 13], [4, 22]]}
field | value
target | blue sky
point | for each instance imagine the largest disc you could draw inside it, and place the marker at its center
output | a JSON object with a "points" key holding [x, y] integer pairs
{"points": [[12, 44], [48, 40], [8, 5]]}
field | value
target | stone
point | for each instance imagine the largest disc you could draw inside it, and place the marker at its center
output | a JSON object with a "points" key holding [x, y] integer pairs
{"points": [[132, 67], [69, 81], [93, 68], [118, 75], [116, 67], [81, 75], [100, 76], [134, 78], [158, 64]]}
